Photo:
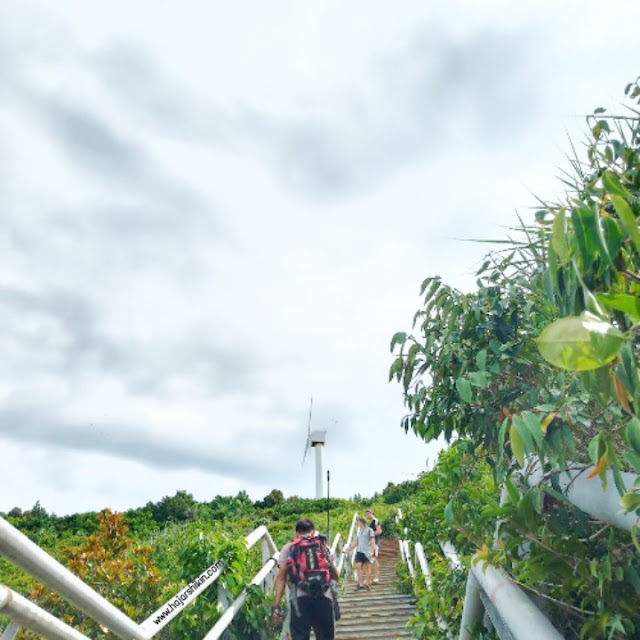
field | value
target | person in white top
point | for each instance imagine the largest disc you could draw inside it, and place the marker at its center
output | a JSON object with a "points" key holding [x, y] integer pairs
{"points": [[376, 527], [364, 543]]}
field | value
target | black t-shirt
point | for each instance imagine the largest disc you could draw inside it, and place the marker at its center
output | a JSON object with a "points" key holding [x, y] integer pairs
{"points": [[374, 525]]}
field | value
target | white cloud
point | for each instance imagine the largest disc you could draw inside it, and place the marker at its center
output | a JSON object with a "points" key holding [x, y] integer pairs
{"points": [[208, 215]]}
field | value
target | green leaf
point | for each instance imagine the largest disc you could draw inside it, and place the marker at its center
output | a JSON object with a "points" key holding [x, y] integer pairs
{"points": [[448, 513], [514, 494], [583, 219], [613, 186], [533, 425], [614, 465], [517, 444], [580, 343], [630, 501], [596, 448], [632, 434], [632, 577], [396, 368], [627, 218], [464, 389], [398, 338], [612, 236], [633, 460], [501, 433], [481, 359], [478, 379], [622, 302], [559, 240]]}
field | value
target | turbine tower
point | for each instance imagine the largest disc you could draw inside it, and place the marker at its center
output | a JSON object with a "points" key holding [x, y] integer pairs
{"points": [[316, 440]]}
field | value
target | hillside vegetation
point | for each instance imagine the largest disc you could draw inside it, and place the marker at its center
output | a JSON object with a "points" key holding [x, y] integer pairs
{"points": [[539, 364], [140, 558]]}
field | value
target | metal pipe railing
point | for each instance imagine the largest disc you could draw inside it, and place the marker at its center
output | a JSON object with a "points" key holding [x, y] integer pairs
{"points": [[589, 495], [27, 555], [451, 555], [227, 617], [522, 617], [341, 559], [32, 617], [162, 616], [408, 562], [24, 553], [421, 561], [10, 631]]}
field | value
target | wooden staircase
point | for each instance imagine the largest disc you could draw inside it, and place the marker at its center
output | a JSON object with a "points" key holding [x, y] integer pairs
{"points": [[381, 612]]}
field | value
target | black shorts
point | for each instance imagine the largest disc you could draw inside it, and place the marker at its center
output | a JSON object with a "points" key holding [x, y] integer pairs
{"points": [[362, 557], [314, 613]]}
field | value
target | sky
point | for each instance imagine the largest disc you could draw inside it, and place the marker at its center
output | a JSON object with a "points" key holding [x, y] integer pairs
{"points": [[212, 211]]}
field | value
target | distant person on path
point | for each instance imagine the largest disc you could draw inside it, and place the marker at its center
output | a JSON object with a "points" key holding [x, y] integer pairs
{"points": [[364, 547], [376, 527], [305, 564]]}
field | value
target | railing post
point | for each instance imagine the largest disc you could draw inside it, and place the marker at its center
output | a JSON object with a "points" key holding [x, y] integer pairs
{"points": [[473, 609], [10, 631], [407, 555], [266, 555], [521, 616], [27, 555], [30, 616]]}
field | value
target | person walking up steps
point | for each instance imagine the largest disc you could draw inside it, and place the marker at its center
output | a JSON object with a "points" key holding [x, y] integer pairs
{"points": [[376, 527], [306, 565], [364, 544]]}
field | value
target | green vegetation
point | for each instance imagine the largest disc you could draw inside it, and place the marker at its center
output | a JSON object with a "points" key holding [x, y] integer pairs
{"points": [[140, 558], [540, 362]]}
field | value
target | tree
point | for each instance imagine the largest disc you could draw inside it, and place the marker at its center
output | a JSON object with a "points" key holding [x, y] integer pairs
{"points": [[112, 564], [541, 361], [178, 508]]}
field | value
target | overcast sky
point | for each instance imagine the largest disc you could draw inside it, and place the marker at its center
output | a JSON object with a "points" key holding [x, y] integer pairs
{"points": [[210, 211]]}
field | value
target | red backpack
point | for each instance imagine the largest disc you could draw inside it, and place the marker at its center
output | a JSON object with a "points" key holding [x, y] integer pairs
{"points": [[308, 565]]}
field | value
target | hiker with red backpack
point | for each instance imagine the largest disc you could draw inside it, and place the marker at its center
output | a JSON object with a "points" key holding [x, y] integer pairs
{"points": [[306, 565]]}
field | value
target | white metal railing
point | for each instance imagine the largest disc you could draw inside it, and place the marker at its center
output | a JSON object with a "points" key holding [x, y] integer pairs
{"points": [[340, 562], [518, 612], [23, 553], [522, 617], [588, 494], [10, 631], [25, 613]]}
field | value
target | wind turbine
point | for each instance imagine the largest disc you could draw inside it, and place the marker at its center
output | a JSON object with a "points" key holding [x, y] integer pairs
{"points": [[316, 440]]}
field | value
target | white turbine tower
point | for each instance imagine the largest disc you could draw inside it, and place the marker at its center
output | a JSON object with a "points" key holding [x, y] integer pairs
{"points": [[316, 440]]}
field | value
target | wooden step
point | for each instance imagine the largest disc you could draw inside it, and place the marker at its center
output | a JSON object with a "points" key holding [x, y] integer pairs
{"points": [[380, 612]]}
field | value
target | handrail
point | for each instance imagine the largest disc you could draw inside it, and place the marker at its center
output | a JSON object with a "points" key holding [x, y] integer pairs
{"points": [[522, 617], [31, 616], [583, 492], [588, 494], [408, 562], [170, 609], [421, 561], [27, 555], [10, 631], [341, 559], [227, 617], [516, 610], [24, 553]]}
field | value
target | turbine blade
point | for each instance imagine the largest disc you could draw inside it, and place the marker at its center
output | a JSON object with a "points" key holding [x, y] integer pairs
{"points": [[306, 450]]}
